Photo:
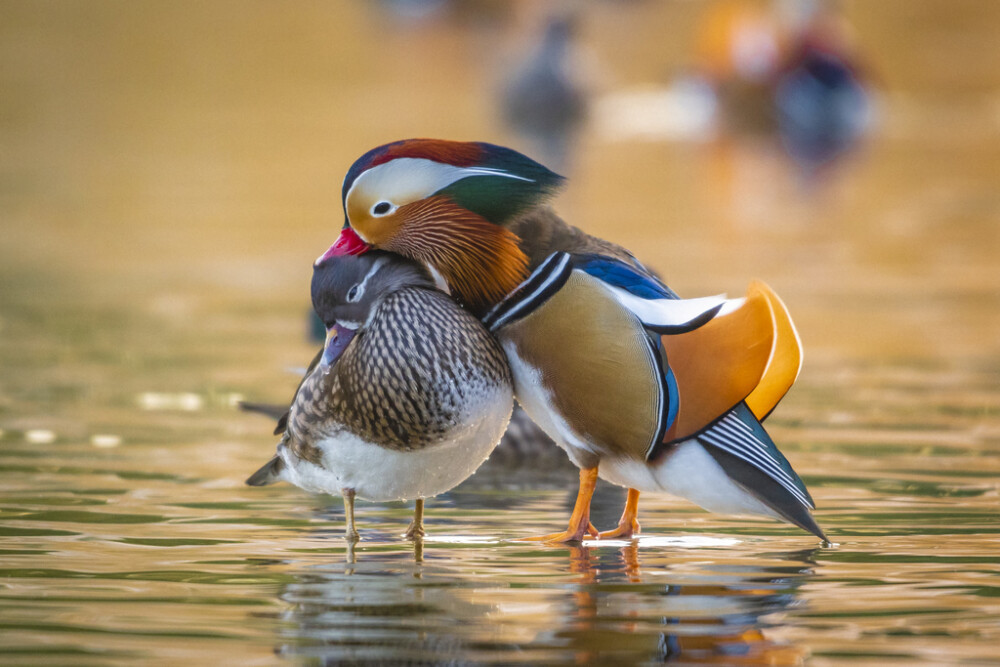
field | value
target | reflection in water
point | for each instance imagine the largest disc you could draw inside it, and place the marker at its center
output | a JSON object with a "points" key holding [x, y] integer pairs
{"points": [[390, 603]]}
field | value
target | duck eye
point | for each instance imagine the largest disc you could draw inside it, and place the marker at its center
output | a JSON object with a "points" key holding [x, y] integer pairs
{"points": [[352, 294], [381, 208]]}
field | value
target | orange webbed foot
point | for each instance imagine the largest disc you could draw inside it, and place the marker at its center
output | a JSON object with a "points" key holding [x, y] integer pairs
{"points": [[628, 525], [579, 522], [568, 535], [624, 531]]}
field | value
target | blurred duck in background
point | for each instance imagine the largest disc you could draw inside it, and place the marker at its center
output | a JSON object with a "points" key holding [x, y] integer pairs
{"points": [[544, 100], [791, 71], [459, 12], [786, 72], [822, 100], [408, 397], [738, 52]]}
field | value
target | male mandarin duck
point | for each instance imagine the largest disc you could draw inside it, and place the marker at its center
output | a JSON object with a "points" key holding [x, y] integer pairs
{"points": [[642, 388], [409, 396], [821, 96]]}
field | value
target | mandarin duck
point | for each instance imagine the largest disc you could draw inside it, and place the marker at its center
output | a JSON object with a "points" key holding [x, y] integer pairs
{"points": [[639, 387], [408, 397], [823, 104]]}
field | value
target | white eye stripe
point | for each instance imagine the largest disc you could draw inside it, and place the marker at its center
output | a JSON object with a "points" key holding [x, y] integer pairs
{"points": [[359, 289], [489, 171], [406, 180]]}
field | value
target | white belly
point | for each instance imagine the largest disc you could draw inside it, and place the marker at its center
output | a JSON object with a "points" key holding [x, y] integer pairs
{"points": [[381, 474], [689, 472]]}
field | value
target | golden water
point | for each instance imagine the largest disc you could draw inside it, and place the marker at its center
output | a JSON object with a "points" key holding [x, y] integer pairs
{"points": [[169, 170]]}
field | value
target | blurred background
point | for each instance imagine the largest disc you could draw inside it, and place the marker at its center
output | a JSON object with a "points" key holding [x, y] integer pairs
{"points": [[169, 170], [167, 166]]}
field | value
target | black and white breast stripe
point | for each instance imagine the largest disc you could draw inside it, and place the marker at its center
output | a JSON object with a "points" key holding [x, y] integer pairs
{"points": [[733, 436], [658, 359], [545, 281]]}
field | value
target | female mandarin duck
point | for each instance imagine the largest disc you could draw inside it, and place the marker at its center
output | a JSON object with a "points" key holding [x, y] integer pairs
{"points": [[638, 386], [408, 398]]}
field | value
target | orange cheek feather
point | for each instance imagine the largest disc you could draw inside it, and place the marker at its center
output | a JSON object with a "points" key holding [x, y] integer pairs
{"points": [[482, 262]]}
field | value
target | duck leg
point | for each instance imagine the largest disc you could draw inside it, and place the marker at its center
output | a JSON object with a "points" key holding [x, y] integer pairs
{"points": [[579, 521], [628, 525], [416, 529], [351, 532]]}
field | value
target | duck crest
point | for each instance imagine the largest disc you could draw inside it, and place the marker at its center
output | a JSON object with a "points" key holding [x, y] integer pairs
{"points": [[537, 180], [460, 154]]}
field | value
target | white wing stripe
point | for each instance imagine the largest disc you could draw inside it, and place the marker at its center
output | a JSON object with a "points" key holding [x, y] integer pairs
{"points": [[727, 439], [726, 427], [756, 461], [671, 312]]}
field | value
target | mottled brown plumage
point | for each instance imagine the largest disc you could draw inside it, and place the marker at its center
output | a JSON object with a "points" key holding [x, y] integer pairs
{"points": [[405, 379], [408, 397]]}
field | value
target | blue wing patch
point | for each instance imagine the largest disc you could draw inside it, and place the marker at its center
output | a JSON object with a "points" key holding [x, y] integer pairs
{"points": [[673, 397], [619, 274]]}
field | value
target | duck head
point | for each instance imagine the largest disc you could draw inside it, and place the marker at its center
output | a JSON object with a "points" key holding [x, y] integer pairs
{"points": [[445, 204], [346, 290]]}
